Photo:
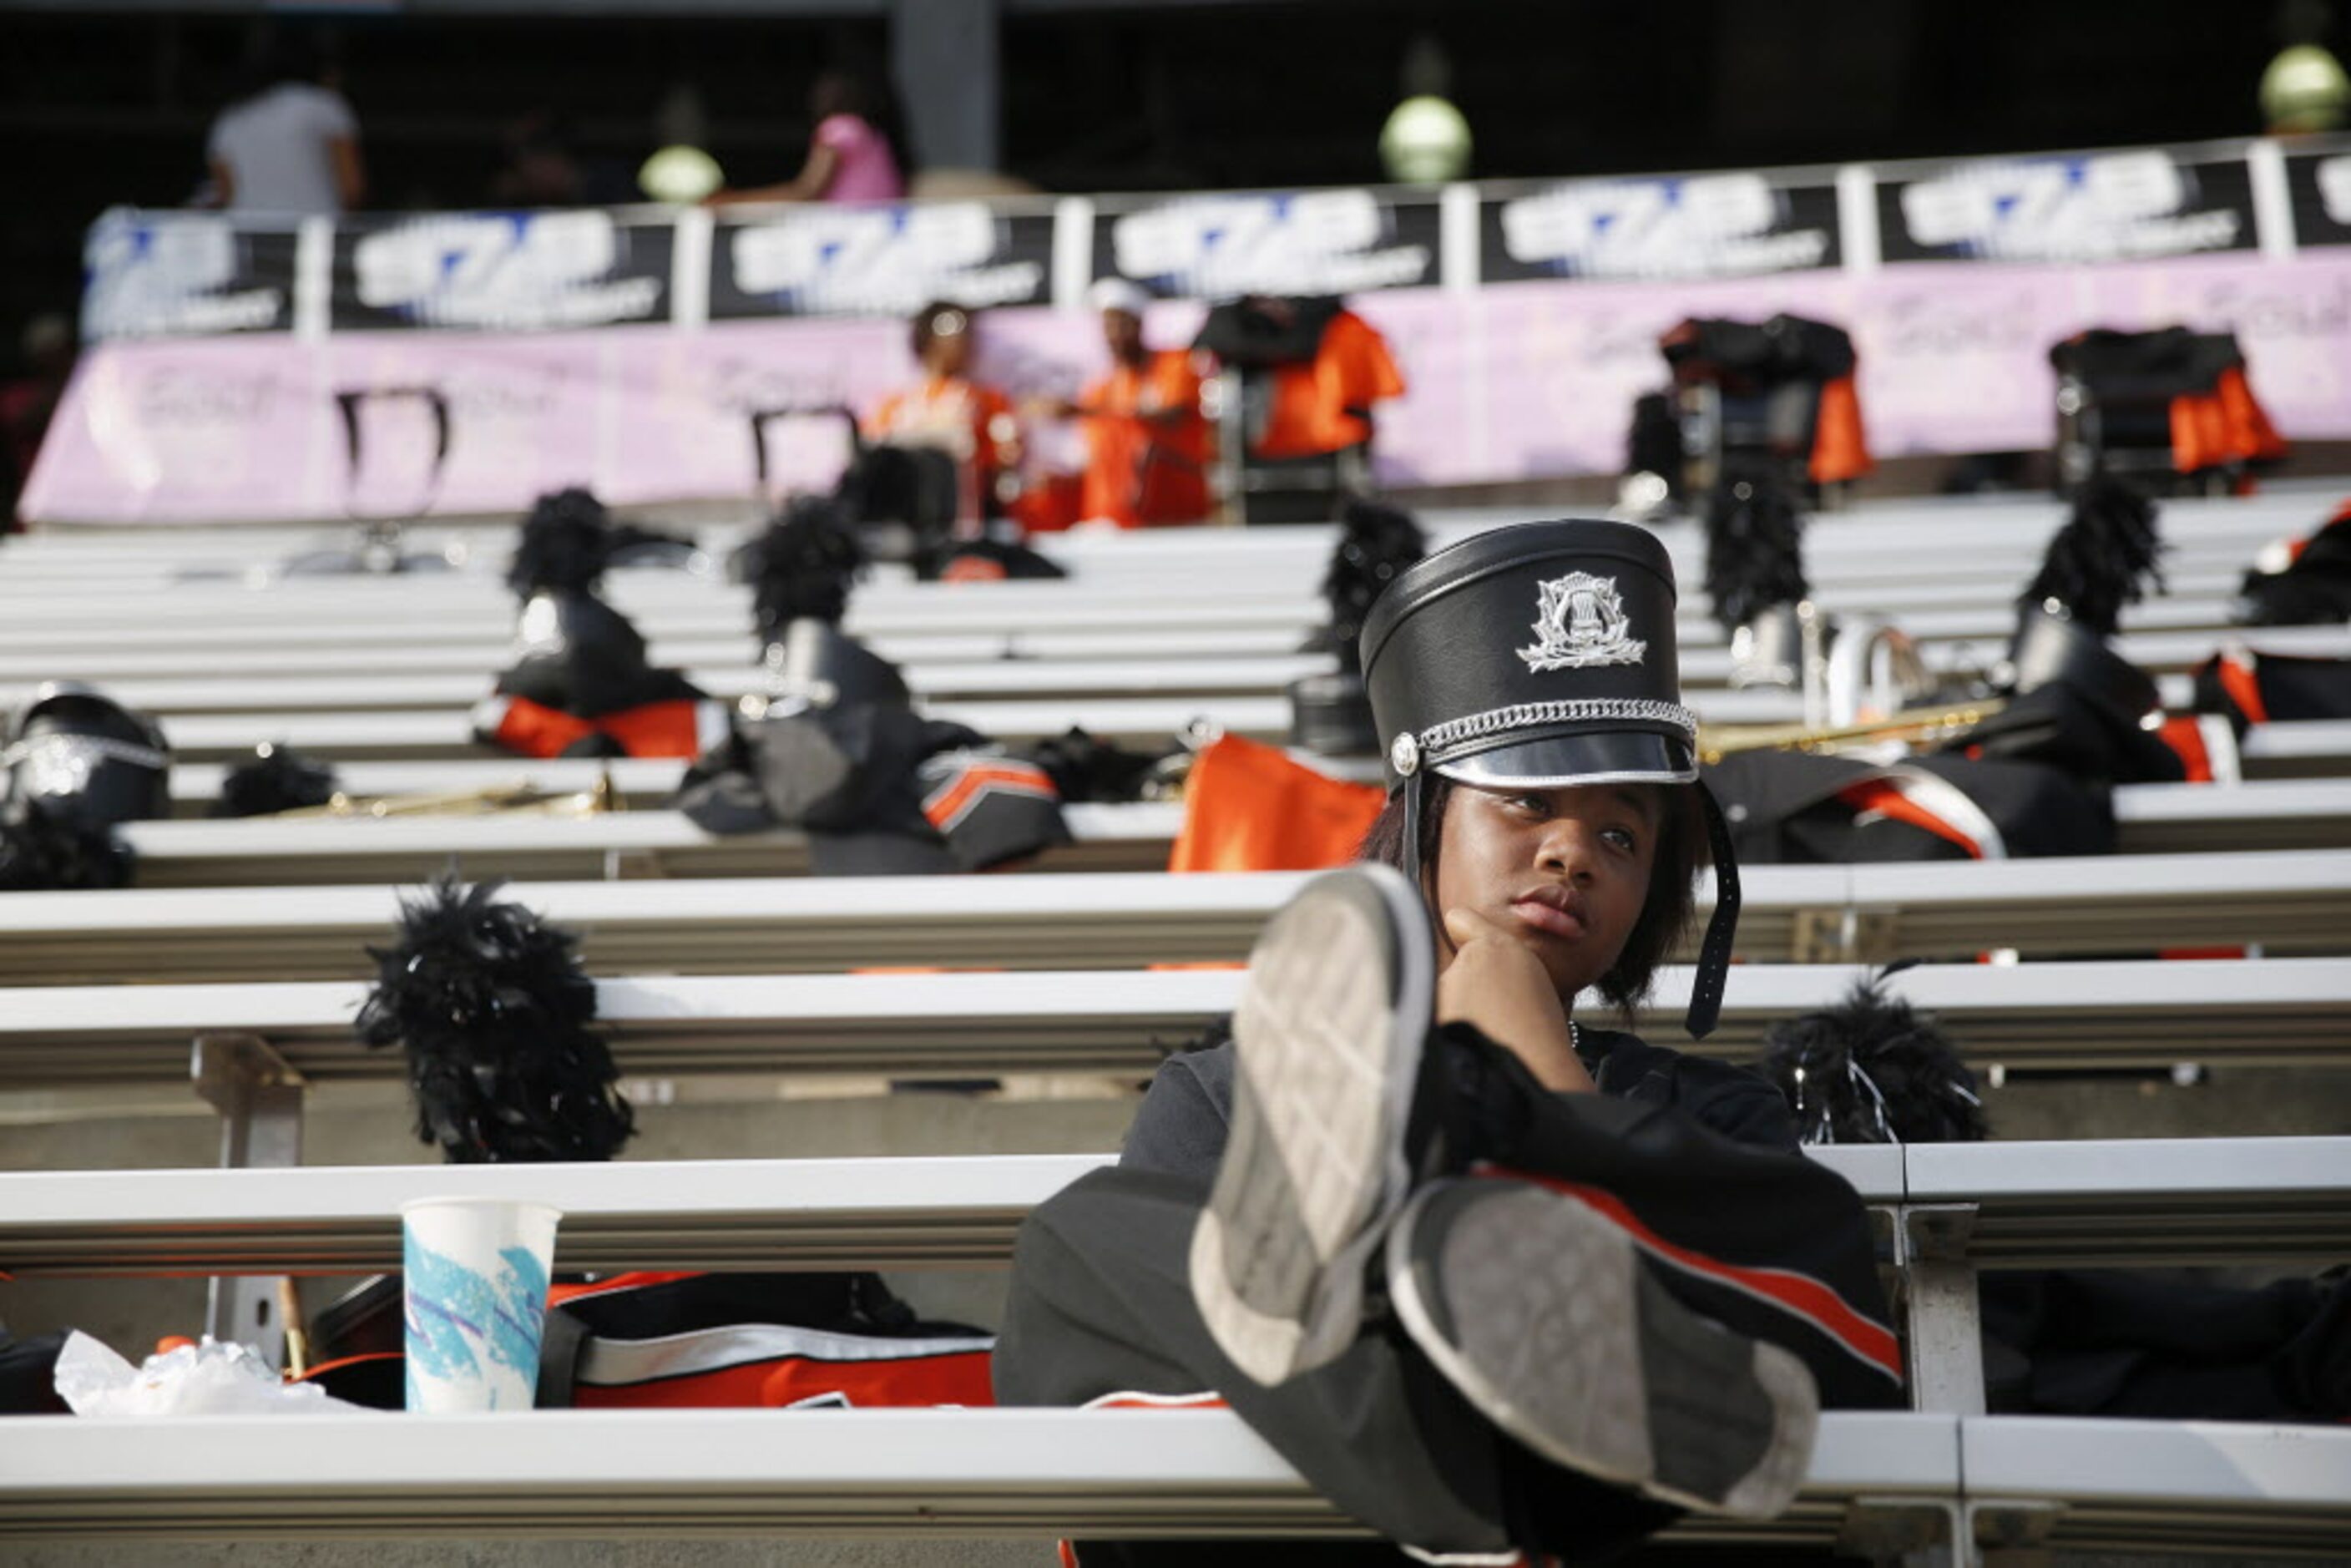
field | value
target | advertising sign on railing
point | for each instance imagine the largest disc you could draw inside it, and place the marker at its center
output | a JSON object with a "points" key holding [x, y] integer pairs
{"points": [[2319, 187], [509, 272], [880, 261], [156, 274], [182, 275], [1701, 225], [1305, 242], [2131, 205]]}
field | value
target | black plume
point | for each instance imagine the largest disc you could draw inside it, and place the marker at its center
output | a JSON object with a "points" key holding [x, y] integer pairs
{"points": [[1754, 549], [493, 1008], [801, 567], [2102, 558], [1871, 1069], [43, 852], [566, 543], [275, 778], [1084, 769], [1375, 542]]}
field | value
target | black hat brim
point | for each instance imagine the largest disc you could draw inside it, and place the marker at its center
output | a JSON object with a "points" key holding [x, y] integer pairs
{"points": [[1565, 761]]}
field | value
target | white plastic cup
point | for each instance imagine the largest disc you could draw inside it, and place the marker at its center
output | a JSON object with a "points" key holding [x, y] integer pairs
{"points": [[475, 1301]]}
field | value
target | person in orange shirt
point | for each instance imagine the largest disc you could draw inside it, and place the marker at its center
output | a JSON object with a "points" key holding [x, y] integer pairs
{"points": [[1324, 403], [969, 419], [1146, 441]]}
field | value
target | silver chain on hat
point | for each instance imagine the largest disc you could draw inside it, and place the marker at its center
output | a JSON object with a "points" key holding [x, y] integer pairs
{"points": [[1580, 710], [103, 745]]}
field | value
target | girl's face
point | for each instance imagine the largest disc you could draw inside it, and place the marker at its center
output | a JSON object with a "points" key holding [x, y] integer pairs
{"points": [[1565, 871]]}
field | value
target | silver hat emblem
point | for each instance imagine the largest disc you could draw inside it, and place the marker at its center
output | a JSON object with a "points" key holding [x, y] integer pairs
{"points": [[1403, 755], [1580, 623]]}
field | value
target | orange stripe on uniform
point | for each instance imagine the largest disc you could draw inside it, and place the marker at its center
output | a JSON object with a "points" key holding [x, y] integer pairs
{"points": [[2186, 737], [913, 1382], [534, 729], [1799, 1294], [671, 728], [2244, 689], [1128, 1399], [947, 807], [634, 1280], [1880, 796]]}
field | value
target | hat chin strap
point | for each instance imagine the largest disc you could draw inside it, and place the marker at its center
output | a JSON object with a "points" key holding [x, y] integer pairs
{"points": [[1714, 951], [1413, 787]]}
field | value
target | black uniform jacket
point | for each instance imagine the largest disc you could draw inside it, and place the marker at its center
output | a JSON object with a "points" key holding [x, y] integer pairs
{"points": [[1182, 1125]]}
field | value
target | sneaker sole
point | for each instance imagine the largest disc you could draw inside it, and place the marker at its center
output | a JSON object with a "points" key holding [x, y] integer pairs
{"points": [[1557, 1332], [1313, 1166]]}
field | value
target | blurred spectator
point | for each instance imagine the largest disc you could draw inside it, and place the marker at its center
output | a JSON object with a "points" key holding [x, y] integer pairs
{"points": [[1146, 443], [1327, 369], [852, 155], [289, 142], [28, 403], [970, 421], [544, 168]]}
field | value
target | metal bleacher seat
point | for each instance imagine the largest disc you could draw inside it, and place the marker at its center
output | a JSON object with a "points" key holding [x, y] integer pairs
{"points": [[995, 696], [2287, 901], [1876, 1480], [2274, 1011], [112, 655], [2311, 749], [2079, 1204], [2153, 818], [737, 1473]]}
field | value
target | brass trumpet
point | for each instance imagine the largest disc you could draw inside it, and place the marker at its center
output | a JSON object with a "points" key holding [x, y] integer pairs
{"points": [[521, 799], [1913, 725]]}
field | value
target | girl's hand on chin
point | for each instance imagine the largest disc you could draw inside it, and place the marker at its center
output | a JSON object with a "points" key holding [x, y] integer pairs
{"points": [[1497, 985]]}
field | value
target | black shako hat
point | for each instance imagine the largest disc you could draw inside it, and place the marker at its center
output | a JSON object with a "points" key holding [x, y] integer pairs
{"points": [[1544, 655]]}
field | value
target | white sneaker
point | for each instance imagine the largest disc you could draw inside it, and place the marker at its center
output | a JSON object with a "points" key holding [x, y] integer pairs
{"points": [[1328, 1039], [1541, 1312]]}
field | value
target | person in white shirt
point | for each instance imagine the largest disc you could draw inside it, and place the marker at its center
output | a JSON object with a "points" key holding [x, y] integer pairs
{"points": [[291, 144]]}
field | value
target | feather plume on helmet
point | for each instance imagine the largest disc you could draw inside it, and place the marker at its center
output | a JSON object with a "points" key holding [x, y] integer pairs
{"points": [[1871, 1069], [564, 544], [2102, 558], [1754, 549], [801, 567], [273, 779], [570, 540], [1375, 542], [2074, 701], [490, 1004], [42, 851]]}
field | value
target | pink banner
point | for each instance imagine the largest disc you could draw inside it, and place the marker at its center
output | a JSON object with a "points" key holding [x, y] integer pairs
{"points": [[1514, 381]]}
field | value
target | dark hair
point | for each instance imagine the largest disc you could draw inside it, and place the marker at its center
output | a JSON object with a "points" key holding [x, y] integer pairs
{"points": [[859, 91], [926, 322], [1664, 918]]}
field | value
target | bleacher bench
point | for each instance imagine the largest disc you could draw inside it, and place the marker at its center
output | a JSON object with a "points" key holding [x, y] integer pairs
{"points": [[2267, 1012], [2153, 818], [2288, 902]]}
